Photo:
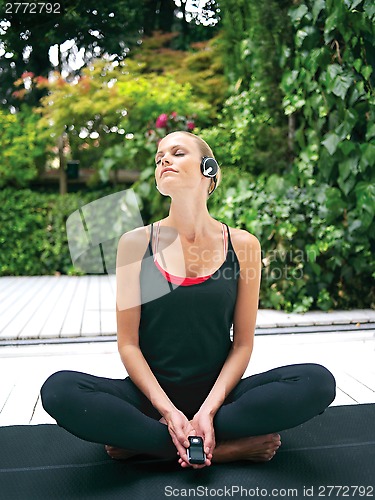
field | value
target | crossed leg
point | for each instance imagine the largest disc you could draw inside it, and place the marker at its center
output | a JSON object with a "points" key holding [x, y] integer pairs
{"points": [[117, 414]]}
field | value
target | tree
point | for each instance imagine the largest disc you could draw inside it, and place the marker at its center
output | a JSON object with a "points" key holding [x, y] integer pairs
{"points": [[22, 148], [113, 28], [109, 102]]}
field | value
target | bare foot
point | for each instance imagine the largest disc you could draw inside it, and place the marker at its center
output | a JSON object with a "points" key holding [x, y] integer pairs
{"points": [[254, 449], [122, 453]]}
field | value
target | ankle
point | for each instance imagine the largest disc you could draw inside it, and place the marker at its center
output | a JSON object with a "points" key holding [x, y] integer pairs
{"points": [[224, 451]]}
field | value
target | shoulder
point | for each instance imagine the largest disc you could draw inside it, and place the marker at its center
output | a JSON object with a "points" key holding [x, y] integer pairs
{"points": [[246, 246], [133, 244]]}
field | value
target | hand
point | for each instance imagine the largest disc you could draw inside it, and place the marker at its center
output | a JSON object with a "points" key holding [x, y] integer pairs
{"points": [[202, 424], [180, 428]]}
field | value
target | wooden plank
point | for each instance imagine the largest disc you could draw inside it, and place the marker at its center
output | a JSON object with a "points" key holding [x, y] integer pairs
{"points": [[91, 313], [20, 403], [353, 388], [363, 376], [73, 320], [342, 399], [24, 309], [107, 307], [8, 286], [14, 302], [58, 309], [6, 387], [36, 326], [40, 416]]}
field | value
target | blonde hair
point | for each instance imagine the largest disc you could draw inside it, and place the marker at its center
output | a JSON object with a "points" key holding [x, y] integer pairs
{"points": [[205, 150]]}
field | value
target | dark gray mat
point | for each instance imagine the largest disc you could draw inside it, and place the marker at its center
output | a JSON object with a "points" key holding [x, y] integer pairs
{"points": [[335, 449]]}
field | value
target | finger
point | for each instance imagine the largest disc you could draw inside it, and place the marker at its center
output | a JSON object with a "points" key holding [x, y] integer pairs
{"points": [[181, 450]]}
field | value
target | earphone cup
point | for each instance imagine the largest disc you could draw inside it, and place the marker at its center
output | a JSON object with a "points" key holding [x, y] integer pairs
{"points": [[209, 166]]}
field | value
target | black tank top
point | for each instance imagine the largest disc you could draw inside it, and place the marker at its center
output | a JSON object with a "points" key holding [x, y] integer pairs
{"points": [[184, 331]]}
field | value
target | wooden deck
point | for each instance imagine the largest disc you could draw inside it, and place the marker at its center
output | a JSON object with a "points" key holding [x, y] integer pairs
{"points": [[66, 307], [23, 369]]}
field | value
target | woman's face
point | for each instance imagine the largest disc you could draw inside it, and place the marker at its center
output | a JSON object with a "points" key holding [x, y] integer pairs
{"points": [[178, 165]]}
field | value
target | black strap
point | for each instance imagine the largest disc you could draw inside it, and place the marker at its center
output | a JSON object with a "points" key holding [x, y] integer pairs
{"points": [[150, 242]]}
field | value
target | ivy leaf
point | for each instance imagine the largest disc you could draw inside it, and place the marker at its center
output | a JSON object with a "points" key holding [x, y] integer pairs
{"points": [[312, 251], [370, 132], [369, 8], [352, 4], [347, 125], [366, 71], [347, 167], [334, 203], [331, 142], [347, 147], [332, 22], [341, 85], [318, 6], [355, 224], [332, 71], [297, 14], [358, 64], [367, 155], [346, 186]]}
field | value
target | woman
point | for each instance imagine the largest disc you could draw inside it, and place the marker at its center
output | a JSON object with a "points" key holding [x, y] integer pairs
{"points": [[181, 284]]}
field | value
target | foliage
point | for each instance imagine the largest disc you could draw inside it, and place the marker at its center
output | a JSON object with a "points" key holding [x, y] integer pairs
{"points": [[329, 90], [33, 235], [96, 30], [108, 109], [22, 149], [319, 73], [309, 261], [247, 135], [201, 66], [252, 123]]}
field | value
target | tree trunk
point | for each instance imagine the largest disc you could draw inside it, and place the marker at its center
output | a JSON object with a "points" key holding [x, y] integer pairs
{"points": [[166, 15], [62, 171], [149, 17]]}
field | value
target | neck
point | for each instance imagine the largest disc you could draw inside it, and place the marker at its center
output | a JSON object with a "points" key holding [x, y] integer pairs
{"points": [[191, 219]]}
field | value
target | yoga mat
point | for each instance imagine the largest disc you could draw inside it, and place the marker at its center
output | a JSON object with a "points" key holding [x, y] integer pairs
{"points": [[331, 456]]}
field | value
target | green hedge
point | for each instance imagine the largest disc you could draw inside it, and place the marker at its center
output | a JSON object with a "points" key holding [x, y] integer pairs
{"points": [[33, 233]]}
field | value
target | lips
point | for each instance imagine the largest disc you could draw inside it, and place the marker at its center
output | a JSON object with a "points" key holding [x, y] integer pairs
{"points": [[168, 169]]}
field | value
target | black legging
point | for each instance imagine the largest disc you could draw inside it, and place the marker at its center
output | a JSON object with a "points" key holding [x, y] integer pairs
{"points": [[117, 413]]}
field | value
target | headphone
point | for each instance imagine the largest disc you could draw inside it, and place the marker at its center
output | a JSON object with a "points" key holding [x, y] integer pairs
{"points": [[209, 168]]}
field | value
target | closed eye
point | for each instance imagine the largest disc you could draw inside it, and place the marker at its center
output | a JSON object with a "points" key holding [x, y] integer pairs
{"points": [[176, 154]]}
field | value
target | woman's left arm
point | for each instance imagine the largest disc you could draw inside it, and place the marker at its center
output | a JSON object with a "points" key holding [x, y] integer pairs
{"points": [[248, 250]]}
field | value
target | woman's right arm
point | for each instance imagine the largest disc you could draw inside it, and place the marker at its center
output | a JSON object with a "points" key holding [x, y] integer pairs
{"points": [[131, 249]]}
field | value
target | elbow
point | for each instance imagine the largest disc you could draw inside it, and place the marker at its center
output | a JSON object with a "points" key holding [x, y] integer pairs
{"points": [[127, 352], [245, 350]]}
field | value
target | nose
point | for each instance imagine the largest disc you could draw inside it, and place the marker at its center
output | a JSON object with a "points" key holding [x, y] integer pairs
{"points": [[165, 160]]}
